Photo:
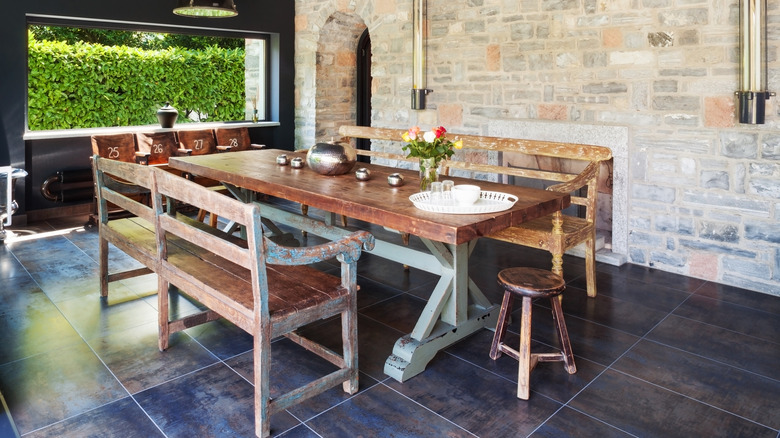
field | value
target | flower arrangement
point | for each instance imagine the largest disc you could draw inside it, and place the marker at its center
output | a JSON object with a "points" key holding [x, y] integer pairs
{"points": [[431, 144], [431, 148]]}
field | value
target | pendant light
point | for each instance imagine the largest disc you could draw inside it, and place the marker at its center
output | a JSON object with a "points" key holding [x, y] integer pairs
{"points": [[206, 8]]}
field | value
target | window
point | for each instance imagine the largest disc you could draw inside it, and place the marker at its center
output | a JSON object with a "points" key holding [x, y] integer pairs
{"points": [[90, 75]]}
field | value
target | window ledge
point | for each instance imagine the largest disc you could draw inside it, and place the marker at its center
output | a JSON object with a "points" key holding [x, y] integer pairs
{"points": [[86, 132]]}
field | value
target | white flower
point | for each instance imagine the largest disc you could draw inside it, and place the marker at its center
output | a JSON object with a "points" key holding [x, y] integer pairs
{"points": [[429, 136]]}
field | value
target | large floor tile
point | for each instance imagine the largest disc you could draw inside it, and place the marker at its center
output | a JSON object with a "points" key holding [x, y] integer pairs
{"points": [[742, 297], [213, 402], [382, 412], [646, 410], [719, 344], [741, 392], [123, 418], [568, 423], [59, 384], [735, 317], [133, 357], [480, 402]]}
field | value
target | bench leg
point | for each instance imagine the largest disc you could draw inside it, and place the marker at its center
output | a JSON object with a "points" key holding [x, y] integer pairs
{"points": [[162, 314], [103, 256], [590, 266], [262, 374]]}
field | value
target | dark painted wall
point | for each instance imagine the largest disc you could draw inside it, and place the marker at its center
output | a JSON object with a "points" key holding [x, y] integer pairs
{"points": [[253, 15]]}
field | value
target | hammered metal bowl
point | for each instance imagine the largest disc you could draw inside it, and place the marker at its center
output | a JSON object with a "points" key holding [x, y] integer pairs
{"points": [[331, 158]]}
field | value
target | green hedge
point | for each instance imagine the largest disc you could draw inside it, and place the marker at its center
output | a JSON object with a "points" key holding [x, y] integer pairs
{"points": [[88, 86]]}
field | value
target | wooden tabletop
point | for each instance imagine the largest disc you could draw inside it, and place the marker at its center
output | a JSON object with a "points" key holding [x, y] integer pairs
{"points": [[372, 201]]}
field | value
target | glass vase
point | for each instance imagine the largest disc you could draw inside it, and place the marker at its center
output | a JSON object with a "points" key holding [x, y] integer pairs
{"points": [[429, 172]]}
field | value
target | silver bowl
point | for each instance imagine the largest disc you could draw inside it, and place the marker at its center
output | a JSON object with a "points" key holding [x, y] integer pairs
{"points": [[296, 163], [363, 174], [282, 160], [395, 179], [331, 158]]}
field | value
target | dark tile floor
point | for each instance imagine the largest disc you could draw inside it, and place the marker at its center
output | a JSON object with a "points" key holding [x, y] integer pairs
{"points": [[657, 354]]}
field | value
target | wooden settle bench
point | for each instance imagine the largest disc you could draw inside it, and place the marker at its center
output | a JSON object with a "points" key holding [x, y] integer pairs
{"points": [[266, 289], [537, 233]]}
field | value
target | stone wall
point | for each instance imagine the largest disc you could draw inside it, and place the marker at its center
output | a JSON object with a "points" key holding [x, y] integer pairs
{"points": [[703, 192]]}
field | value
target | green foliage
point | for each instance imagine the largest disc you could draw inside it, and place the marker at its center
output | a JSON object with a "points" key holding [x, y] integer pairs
{"points": [[86, 85], [141, 40]]}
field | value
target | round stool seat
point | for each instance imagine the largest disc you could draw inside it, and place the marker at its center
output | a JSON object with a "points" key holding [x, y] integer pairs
{"points": [[531, 282]]}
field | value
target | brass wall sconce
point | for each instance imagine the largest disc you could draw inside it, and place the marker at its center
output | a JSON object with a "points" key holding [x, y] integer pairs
{"points": [[752, 61]]}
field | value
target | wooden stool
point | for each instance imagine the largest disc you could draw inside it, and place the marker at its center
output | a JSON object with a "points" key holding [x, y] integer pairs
{"points": [[530, 283]]}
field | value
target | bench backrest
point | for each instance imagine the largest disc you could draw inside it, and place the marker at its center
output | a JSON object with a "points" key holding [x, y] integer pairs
{"points": [[249, 255], [591, 157], [120, 183]]}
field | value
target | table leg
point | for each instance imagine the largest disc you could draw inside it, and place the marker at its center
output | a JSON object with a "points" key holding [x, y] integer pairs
{"points": [[447, 318], [456, 309]]}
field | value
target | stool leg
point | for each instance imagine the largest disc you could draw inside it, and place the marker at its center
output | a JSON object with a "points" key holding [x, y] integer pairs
{"points": [[524, 368], [503, 321], [563, 335]]}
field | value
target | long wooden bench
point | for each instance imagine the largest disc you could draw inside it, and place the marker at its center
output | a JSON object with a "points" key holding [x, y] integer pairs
{"points": [[536, 233], [266, 289], [127, 186]]}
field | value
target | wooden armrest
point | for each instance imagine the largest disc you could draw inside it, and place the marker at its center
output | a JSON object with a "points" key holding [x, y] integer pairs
{"points": [[183, 152], [257, 146], [224, 148], [347, 250], [588, 174]]}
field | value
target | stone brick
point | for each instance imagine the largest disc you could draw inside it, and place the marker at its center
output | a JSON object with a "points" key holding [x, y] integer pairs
{"points": [[660, 39], [739, 145], [665, 86], [493, 57], [559, 5], [612, 37], [552, 111], [700, 245], [684, 17], [637, 256], [633, 58], [770, 147], [676, 103], [653, 193], [768, 232], [594, 59], [521, 31], [704, 266], [605, 88], [719, 111], [711, 179], [747, 268], [645, 239], [719, 232], [688, 38], [667, 258], [765, 187], [730, 202], [451, 114]]}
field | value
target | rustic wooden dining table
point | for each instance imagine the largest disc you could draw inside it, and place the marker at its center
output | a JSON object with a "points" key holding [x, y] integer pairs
{"points": [[457, 307]]}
